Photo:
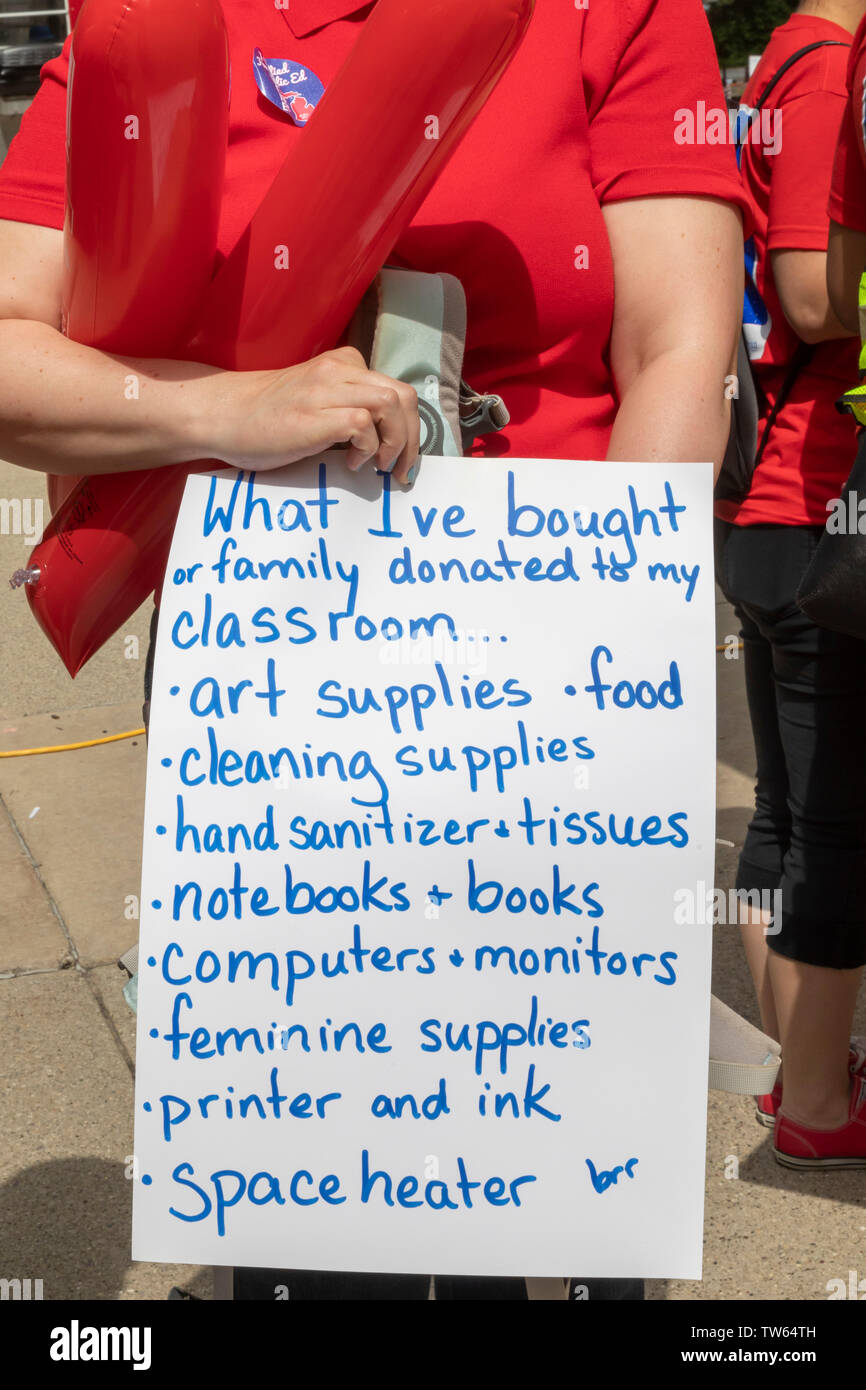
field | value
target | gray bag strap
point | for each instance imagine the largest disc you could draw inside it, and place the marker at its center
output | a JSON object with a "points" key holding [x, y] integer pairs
{"points": [[411, 325]]}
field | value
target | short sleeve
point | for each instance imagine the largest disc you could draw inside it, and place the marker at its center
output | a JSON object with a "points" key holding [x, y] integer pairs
{"points": [[847, 203], [645, 61], [801, 172], [33, 174]]}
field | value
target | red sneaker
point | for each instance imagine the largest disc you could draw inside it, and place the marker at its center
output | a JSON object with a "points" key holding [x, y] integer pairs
{"points": [[767, 1107], [797, 1146]]}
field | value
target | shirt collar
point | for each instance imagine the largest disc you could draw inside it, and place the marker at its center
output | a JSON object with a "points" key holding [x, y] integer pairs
{"points": [[304, 16]]}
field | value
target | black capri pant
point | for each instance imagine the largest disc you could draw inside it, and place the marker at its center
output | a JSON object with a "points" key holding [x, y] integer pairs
{"points": [[806, 689]]}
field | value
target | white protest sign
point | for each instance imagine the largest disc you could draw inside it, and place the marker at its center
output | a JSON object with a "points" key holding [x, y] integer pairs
{"points": [[429, 772]]}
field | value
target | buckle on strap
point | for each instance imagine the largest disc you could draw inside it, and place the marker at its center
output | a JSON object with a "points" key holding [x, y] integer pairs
{"points": [[480, 414]]}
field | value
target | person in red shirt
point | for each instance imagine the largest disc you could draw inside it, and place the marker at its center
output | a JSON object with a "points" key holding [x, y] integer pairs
{"points": [[806, 686], [807, 454], [846, 254], [600, 255]]}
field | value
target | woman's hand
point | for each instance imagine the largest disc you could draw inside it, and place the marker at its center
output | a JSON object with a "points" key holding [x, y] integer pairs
{"points": [[265, 420]]}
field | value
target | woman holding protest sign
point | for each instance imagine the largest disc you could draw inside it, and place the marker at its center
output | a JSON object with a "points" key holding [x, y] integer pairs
{"points": [[600, 254]]}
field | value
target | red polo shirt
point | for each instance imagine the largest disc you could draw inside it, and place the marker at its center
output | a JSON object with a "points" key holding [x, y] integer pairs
{"points": [[847, 204], [584, 116], [811, 446]]}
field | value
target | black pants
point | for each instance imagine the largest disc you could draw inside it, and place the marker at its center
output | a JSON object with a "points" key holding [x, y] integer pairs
{"points": [[806, 688]]}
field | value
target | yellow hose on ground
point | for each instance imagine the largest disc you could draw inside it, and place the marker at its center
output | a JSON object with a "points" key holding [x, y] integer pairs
{"points": [[65, 747]]}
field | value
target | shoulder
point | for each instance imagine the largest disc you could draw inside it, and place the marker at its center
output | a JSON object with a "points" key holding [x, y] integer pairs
{"points": [[638, 43], [33, 174], [823, 69]]}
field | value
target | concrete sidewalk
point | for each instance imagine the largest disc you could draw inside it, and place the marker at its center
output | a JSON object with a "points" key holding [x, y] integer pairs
{"points": [[70, 830]]}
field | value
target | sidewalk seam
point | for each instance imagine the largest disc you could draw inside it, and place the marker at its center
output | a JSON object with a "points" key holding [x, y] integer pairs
{"points": [[75, 960], [16, 971], [38, 876], [110, 1024]]}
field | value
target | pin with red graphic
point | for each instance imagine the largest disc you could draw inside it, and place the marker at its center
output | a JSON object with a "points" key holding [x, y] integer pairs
{"points": [[290, 86]]}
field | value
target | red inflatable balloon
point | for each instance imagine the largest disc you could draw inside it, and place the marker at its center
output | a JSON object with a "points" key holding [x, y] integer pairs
{"points": [[131, 283], [59, 485], [110, 540], [148, 127], [127, 289], [147, 130]]}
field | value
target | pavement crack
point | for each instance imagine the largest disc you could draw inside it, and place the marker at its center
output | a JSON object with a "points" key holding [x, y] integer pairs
{"points": [[36, 871], [109, 1023], [72, 960]]}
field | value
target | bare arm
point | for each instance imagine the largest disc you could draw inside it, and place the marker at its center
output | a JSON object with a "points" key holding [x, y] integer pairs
{"points": [[65, 408], [846, 261], [801, 284], [678, 267]]}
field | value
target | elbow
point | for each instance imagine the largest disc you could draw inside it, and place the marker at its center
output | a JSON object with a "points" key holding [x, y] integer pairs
{"points": [[815, 324], [809, 331], [845, 307]]}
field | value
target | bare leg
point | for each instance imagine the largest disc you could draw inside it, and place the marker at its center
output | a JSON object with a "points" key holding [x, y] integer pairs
{"points": [[815, 1009], [752, 924]]}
